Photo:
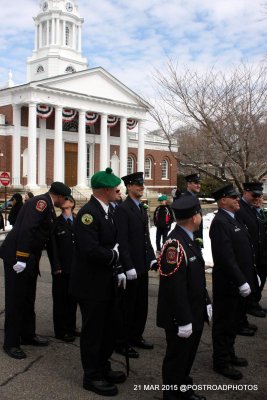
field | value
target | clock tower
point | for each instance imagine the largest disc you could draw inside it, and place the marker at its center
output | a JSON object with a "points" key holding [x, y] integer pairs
{"points": [[58, 43]]}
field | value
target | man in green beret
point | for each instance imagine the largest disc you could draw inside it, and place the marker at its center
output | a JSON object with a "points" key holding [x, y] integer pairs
{"points": [[163, 218], [21, 252], [95, 276]]}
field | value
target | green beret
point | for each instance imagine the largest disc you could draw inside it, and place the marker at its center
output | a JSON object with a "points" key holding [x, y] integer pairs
{"points": [[105, 179], [163, 197], [60, 189]]}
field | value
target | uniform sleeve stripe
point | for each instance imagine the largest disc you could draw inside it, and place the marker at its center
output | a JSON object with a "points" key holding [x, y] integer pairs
{"points": [[22, 254]]}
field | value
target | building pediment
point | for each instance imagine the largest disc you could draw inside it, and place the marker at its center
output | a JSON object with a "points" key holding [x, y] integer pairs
{"points": [[94, 82]]}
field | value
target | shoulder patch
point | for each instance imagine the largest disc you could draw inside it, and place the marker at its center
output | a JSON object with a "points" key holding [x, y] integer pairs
{"points": [[87, 219], [171, 257], [41, 205]]}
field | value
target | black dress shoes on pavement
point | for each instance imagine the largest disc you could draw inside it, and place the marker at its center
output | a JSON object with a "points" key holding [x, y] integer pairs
{"points": [[255, 310], [101, 387], [132, 353], [14, 352], [142, 344], [35, 341], [115, 376], [68, 337], [229, 372], [239, 362], [246, 331]]}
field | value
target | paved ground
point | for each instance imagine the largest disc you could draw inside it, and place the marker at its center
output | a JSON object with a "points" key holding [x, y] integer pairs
{"points": [[54, 373]]}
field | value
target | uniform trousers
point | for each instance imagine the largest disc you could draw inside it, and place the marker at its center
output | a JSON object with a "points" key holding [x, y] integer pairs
{"points": [[132, 310], [64, 305], [161, 233], [227, 313], [178, 361], [20, 293], [97, 340]]}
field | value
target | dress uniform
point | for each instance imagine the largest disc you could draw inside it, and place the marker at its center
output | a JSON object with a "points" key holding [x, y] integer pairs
{"points": [[193, 188], [21, 252], [136, 257], [182, 298], [64, 304], [234, 278], [93, 283]]}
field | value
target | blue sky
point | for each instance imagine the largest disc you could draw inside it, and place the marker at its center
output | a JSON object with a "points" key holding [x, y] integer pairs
{"points": [[132, 38]]}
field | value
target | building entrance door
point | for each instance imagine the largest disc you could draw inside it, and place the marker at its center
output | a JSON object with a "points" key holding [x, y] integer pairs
{"points": [[71, 158]]}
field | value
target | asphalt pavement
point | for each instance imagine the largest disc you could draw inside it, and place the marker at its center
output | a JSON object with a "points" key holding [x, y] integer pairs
{"points": [[55, 373]]}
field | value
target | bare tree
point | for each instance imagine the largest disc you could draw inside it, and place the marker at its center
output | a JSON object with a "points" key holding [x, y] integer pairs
{"points": [[218, 120]]}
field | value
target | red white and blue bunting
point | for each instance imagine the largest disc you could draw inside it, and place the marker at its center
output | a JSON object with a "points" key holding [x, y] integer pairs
{"points": [[68, 114], [131, 123], [112, 121], [91, 118], [43, 111]]}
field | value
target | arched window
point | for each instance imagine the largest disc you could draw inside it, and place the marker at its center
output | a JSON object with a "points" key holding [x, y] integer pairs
{"points": [[164, 169], [130, 165], [70, 69], [67, 35], [40, 69], [148, 168]]}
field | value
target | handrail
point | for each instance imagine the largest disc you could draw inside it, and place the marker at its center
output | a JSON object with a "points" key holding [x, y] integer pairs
{"points": [[78, 195]]}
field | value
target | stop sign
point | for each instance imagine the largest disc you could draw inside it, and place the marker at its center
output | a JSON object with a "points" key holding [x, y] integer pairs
{"points": [[5, 178]]}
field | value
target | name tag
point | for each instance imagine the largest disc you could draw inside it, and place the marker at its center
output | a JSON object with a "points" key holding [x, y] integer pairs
{"points": [[192, 258]]}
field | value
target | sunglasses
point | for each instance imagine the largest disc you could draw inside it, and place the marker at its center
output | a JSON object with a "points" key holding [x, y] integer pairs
{"points": [[117, 191]]}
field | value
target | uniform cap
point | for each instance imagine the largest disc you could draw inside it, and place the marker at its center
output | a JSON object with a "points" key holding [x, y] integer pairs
{"points": [[224, 191], [186, 206], [60, 189], [192, 178], [255, 187], [137, 178], [104, 179], [163, 197]]}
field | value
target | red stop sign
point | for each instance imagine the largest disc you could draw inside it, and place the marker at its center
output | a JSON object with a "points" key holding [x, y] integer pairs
{"points": [[5, 178]]}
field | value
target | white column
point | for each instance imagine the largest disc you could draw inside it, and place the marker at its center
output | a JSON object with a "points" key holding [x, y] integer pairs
{"points": [[47, 32], [108, 148], [58, 147], [82, 151], [64, 33], [36, 38], [103, 143], [74, 36], [31, 182], [57, 36], [40, 35], [141, 147], [80, 39], [42, 153], [53, 31], [16, 149], [123, 146]]}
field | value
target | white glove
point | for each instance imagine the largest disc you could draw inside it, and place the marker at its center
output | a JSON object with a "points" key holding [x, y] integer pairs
{"points": [[185, 331], [244, 290], [209, 311], [131, 274], [19, 267], [259, 280], [154, 265], [115, 248], [122, 280]]}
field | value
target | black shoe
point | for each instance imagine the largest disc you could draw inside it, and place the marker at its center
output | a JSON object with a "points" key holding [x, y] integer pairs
{"points": [[239, 362], [14, 352], [115, 376], [100, 387], [132, 353], [229, 372], [245, 331], [142, 344], [256, 313], [68, 337], [35, 341], [253, 327]]}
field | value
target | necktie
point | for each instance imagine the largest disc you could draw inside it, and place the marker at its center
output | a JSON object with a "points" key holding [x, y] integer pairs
{"points": [[141, 208], [69, 221]]}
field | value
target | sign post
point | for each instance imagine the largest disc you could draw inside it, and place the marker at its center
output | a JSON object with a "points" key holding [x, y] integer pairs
{"points": [[5, 181]]}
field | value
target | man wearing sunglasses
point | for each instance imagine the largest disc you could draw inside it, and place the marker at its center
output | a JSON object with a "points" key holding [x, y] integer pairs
{"points": [[249, 216], [233, 279]]}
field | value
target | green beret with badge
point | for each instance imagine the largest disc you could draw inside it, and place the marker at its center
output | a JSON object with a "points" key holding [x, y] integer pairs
{"points": [[104, 179]]}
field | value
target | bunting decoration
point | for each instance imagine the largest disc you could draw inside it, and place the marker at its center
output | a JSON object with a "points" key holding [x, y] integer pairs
{"points": [[91, 118], [43, 111], [68, 114], [131, 123], [112, 121]]}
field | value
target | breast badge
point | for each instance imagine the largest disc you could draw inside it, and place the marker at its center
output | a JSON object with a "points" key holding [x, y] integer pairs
{"points": [[87, 219]]}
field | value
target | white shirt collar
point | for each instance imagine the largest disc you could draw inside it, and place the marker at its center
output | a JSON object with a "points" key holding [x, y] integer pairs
{"points": [[105, 206]]}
